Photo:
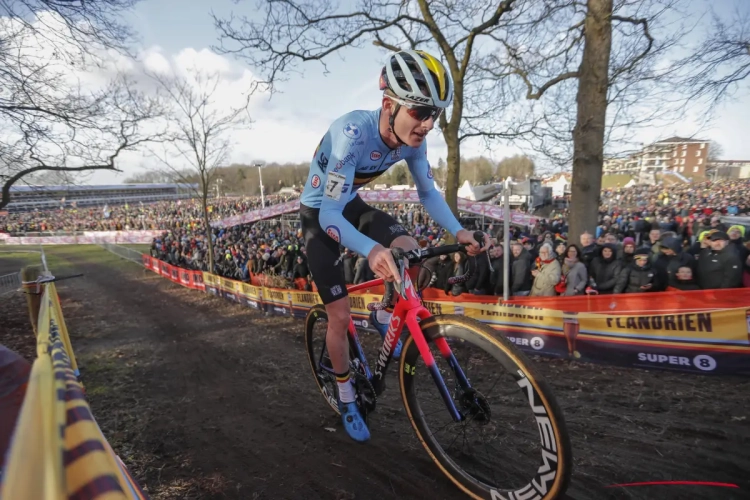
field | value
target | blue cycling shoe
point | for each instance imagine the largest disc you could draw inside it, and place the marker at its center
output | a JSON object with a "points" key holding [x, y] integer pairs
{"points": [[353, 422], [382, 330]]}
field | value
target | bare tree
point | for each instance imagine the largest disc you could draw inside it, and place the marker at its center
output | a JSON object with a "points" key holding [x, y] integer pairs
{"points": [[720, 64], [463, 31], [50, 120], [519, 167], [594, 70], [200, 131], [715, 152]]}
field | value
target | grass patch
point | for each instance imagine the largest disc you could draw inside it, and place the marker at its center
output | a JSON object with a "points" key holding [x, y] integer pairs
{"points": [[614, 181], [59, 257]]}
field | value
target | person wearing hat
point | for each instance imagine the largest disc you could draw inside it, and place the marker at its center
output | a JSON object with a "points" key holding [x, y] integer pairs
{"points": [[736, 234], [604, 269], [628, 250], [639, 276], [719, 267]]}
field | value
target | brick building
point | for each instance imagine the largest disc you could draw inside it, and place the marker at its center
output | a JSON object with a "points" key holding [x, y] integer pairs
{"points": [[686, 157]]}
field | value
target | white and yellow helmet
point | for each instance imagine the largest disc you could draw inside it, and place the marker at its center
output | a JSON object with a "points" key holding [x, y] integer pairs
{"points": [[416, 76]]}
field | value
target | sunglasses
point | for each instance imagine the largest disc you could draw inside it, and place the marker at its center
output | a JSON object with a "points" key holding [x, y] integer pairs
{"points": [[419, 111]]}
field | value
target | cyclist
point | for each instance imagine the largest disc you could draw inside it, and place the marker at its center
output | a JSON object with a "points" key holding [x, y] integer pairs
{"points": [[358, 147]]}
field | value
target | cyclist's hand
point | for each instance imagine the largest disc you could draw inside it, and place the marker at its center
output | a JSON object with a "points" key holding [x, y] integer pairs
{"points": [[382, 264], [467, 237]]}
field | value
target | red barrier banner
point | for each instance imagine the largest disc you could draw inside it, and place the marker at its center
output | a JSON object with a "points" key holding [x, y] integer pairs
{"points": [[640, 303], [644, 330], [196, 280]]}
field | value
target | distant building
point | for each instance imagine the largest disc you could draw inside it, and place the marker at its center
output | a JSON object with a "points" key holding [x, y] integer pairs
{"points": [[686, 157], [729, 169], [23, 198]]}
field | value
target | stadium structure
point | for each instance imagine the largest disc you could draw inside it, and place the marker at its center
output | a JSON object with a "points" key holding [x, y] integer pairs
{"points": [[25, 198]]}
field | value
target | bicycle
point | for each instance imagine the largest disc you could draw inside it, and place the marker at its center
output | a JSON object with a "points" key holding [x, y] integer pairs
{"points": [[464, 406]]}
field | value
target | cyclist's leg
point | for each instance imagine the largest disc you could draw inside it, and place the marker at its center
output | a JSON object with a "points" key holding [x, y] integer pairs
{"points": [[387, 231], [328, 274]]}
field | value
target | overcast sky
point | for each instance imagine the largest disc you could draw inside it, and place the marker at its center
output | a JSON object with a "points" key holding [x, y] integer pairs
{"points": [[178, 34]]}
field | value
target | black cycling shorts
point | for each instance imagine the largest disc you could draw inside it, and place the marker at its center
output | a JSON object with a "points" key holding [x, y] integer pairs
{"points": [[323, 254]]}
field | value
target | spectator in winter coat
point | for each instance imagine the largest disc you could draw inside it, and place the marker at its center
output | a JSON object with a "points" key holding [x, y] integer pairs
{"points": [[459, 269], [605, 269], [701, 243], [574, 271], [669, 261], [560, 249], [638, 276], [736, 234], [443, 271], [479, 282], [589, 249], [720, 267], [654, 243], [520, 283], [497, 276], [546, 273], [300, 269]]}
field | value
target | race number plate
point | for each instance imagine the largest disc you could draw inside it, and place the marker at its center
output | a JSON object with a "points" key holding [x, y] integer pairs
{"points": [[334, 185]]}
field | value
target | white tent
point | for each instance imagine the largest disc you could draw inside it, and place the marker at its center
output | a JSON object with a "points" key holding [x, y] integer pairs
{"points": [[466, 191]]}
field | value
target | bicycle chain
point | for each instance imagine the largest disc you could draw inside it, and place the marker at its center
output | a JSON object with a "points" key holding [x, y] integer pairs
{"points": [[369, 388]]}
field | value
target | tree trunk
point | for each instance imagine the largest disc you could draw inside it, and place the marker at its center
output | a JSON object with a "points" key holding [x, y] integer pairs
{"points": [[588, 135], [450, 134], [209, 243]]}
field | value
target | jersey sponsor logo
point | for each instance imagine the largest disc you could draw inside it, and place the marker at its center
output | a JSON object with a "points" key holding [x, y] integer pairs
{"points": [[385, 351], [345, 189], [344, 161], [397, 228], [429, 172], [315, 181], [396, 154], [334, 233], [351, 130], [416, 98], [375, 155], [323, 162]]}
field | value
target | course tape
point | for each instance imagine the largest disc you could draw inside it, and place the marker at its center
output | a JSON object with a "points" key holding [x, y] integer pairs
{"points": [[58, 451]]}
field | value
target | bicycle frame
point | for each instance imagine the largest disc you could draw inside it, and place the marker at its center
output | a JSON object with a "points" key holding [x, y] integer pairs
{"points": [[409, 312]]}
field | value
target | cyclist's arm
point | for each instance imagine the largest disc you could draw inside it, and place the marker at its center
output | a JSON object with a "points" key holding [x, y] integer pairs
{"points": [[336, 194], [430, 197]]}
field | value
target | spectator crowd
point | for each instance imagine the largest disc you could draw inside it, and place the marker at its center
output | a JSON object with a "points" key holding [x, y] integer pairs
{"points": [[649, 238]]}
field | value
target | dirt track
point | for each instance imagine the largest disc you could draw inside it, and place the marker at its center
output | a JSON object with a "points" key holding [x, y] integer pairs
{"points": [[204, 399]]}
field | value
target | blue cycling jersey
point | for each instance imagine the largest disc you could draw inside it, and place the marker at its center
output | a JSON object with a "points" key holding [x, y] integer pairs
{"points": [[351, 154]]}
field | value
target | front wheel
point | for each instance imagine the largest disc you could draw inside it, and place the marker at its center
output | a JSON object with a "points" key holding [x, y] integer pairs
{"points": [[512, 441]]}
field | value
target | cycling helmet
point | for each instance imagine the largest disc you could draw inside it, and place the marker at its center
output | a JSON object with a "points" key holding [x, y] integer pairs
{"points": [[416, 76]]}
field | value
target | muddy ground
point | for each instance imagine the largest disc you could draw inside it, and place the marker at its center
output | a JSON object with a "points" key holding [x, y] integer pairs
{"points": [[206, 399]]}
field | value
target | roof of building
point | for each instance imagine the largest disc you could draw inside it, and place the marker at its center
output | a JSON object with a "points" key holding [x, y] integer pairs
{"points": [[676, 139], [116, 187]]}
